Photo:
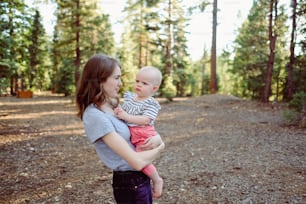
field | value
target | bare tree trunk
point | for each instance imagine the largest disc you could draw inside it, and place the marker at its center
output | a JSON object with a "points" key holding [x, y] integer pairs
{"points": [[169, 65], [290, 66], [77, 48], [13, 72], [213, 77], [272, 39], [141, 39], [203, 71]]}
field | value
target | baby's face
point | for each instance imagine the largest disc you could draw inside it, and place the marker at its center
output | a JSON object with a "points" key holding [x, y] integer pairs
{"points": [[145, 84]]}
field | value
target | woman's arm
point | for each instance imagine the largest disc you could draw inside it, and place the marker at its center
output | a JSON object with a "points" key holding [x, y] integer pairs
{"points": [[137, 160]]}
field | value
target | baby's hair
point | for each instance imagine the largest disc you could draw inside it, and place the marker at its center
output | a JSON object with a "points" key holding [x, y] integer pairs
{"points": [[158, 75]]}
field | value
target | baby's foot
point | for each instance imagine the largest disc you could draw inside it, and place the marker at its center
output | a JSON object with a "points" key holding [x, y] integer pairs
{"points": [[158, 187]]}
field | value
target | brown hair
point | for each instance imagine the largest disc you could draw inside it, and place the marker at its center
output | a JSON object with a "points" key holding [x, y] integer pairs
{"points": [[96, 71]]}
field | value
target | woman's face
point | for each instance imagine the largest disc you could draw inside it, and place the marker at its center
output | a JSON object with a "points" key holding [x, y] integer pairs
{"points": [[113, 83]]}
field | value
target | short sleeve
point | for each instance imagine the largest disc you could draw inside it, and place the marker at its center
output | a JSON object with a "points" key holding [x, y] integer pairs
{"points": [[151, 108], [128, 95], [96, 124]]}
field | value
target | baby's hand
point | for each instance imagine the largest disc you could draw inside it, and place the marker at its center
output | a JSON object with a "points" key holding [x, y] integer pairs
{"points": [[117, 111], [120, 113]]}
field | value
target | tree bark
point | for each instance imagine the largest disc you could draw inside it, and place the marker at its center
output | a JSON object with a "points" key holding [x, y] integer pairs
{"points": [[77, 49], [203, 71], [213, 77], [169, 64], [290, 66], [272, 39]]}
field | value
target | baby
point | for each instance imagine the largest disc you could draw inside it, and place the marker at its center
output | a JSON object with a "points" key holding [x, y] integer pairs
{"points": [[140, 110]]}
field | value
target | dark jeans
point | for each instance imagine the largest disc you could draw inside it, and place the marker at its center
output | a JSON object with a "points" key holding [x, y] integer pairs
{"points": [[132, 187]]}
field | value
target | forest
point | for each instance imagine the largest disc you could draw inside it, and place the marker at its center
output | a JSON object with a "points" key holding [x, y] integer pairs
{"points": [[266, 63], [233, 123]]}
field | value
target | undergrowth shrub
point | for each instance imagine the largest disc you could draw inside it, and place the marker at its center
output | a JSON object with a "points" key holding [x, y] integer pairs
{"points": [[298, 102], [296, 113]]}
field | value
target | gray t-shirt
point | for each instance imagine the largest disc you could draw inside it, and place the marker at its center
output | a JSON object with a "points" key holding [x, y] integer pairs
{"points": [[97, 124]]}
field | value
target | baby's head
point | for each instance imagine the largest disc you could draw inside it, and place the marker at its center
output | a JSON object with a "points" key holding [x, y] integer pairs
{"points": [[153, 74], [148, 80]]}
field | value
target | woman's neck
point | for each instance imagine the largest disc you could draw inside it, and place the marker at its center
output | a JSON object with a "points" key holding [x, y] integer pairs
{"points": [[106, 107], [110, 104]]}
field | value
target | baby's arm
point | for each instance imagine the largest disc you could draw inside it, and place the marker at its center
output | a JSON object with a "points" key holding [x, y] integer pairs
{"points": [[136, 119]]}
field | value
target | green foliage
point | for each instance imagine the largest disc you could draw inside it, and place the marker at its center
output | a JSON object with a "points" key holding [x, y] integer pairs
{"points": [[300, 72], [145, 41], [4, 70], [181, 80], [290, 116], [140, 27], [15, 21], [36, 71], [251, 52], [4, 84], [224, 80], [168, 90], [199, 77], [180, 58], [126, 55], [80, 31], [64, 81], [296, 113], [298, 102], [154, 35]]}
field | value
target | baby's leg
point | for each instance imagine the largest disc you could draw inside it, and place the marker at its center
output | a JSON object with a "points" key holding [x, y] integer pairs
{"points": [[158, 182]]}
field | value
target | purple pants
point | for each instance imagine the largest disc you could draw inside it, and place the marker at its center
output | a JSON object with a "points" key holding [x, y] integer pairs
{"points": [[132, 187]]}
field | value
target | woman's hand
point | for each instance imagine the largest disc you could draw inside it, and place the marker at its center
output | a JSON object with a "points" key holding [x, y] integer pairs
{"points": [[151, 143]]}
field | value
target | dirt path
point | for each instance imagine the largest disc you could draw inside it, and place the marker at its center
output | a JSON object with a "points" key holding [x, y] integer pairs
{"points": [[219, 149]]}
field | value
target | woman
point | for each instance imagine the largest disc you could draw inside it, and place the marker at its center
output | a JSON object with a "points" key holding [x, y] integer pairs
{"points": [[97, 96]]}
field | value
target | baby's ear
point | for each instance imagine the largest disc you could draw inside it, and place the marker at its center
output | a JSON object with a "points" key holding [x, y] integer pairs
{"points": [[155, 88]]}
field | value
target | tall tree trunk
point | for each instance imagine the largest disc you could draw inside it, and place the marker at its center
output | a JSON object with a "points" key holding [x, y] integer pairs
{"points": [[272, 39], [13, 72], [141, 49], [203, 71], [77, 48], [169, 64], [213, 79], [290, 66]]}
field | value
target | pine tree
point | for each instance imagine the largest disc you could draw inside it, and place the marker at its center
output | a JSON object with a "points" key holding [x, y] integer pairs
{"points": [[252, 52], [15, 24], [37, 72], [80, 31]]}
